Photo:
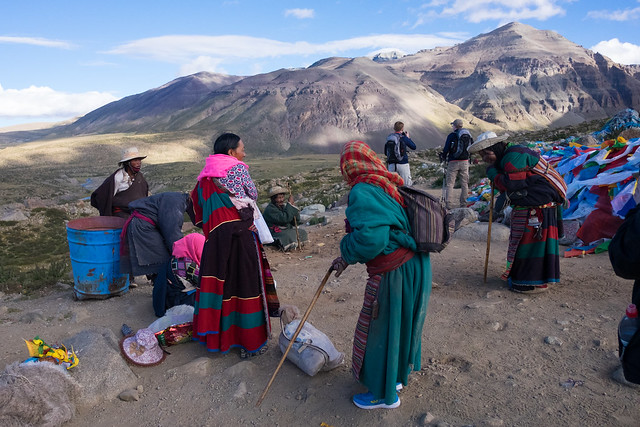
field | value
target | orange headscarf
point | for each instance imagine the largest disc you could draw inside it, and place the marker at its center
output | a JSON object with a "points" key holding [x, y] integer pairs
{"points": [[359, 163]]}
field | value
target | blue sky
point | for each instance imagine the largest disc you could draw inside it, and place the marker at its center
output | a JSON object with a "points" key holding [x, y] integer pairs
{"points": [[62, 59]]}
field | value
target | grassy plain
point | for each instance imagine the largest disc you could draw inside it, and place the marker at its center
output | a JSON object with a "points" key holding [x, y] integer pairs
{"points": [[60, 175]]}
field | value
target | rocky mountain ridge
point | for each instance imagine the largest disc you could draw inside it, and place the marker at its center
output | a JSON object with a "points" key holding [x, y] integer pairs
{"points": [[513, 78]]}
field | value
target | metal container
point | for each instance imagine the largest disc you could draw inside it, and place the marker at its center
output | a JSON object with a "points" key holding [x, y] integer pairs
{"points": [[94, 249]]}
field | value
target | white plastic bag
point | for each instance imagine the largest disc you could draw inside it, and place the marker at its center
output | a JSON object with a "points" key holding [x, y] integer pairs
{"points": [[312, 351], [263, 230], [174, 316]]}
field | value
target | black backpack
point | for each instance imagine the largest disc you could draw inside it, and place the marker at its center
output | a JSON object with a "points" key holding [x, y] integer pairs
{"points": [[395, 148], [460, 147]]}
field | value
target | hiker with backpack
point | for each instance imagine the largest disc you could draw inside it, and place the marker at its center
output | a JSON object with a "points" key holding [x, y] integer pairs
{"points": [[396, 151], [456, 155]]}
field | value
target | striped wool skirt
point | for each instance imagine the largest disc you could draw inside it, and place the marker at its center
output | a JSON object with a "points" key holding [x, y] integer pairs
{"points": [[236, 293], [533, 256]]}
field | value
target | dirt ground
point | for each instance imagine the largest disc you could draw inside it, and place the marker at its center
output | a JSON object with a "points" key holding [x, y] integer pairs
{"points": [[490, 357]]}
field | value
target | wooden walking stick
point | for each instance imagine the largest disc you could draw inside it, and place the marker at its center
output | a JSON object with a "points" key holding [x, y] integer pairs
{"points": [[295, 335], [295, 222], [486, 259]]}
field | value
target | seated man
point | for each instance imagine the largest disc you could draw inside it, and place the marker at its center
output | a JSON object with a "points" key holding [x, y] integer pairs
{"points": [[283, 218]]}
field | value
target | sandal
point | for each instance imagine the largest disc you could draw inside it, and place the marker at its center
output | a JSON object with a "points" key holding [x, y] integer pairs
{"points": [[244, 354]]}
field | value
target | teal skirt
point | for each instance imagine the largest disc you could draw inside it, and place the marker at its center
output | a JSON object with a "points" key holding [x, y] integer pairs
{"points": [[394, 341]]}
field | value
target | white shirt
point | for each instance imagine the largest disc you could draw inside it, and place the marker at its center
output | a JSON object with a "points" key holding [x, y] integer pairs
{"points": [[122, 181]]}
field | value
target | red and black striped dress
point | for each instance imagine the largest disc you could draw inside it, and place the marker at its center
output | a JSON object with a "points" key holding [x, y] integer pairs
{"points": [[533, 256], [237, 293]]}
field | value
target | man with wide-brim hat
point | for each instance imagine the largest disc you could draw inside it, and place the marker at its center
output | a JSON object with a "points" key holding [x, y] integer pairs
{"points": [[130, 154], [283, 217], [535, 192], [486, 140], [122, 187]]}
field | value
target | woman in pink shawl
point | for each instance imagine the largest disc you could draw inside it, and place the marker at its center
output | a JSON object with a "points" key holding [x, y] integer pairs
{"points": [[177, 281], [185, 262]]}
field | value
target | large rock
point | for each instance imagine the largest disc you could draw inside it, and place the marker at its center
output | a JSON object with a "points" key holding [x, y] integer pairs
{"points": [[477, 232], [463, 216], [102, 371], [37, 394], [313, 209]]}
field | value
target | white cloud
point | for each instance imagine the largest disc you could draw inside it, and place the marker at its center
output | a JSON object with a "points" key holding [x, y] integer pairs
{"points": [[42, 102], [489, 10], [623, 53], [615, 15], [182, 49], [300, 13], [36, 41]]}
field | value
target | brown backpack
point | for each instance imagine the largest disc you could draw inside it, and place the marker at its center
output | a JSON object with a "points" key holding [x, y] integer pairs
{"points": [[431, 225]]}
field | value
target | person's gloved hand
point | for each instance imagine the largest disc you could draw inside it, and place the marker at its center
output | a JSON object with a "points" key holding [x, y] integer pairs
{"points": [[442, 157], [339, 265]]}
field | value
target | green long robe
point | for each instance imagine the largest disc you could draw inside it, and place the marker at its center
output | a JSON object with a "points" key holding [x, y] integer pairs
{"points": [[379, 226]]}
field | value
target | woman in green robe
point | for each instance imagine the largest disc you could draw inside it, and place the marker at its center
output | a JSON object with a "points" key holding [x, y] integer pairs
{"points": [[387, 340]]}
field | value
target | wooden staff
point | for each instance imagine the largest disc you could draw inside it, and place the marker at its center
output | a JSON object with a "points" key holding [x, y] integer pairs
{"points": [[295, 222], [486, 259], [295, 335]]}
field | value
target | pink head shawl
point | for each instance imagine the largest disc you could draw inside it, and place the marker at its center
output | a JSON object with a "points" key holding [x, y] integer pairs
{"points": [[217, 165], [190, 246]]}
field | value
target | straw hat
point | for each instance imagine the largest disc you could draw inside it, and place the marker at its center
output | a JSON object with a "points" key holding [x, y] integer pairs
{"points": [[486, 140], [130, 154], [277, 190], [142, 348]]}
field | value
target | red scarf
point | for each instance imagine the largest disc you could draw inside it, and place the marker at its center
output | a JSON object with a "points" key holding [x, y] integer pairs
{"points": [[359, 163]]}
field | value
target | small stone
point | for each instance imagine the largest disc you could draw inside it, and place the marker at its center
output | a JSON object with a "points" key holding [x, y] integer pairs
{"points": [[241, 390], [32, 316], [140, 388], [553, 340], [599, 342], [129, 395], [494, 294], [426, 419]]}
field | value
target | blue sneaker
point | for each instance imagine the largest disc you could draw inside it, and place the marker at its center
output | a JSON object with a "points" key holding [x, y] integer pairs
{"points": [[369, 401]]}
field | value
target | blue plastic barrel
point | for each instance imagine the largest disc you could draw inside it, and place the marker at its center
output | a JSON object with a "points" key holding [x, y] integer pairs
{"points": [[94, 249]]}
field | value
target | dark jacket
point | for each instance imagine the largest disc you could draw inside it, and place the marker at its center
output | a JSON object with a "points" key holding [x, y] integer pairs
{"points": [[149, 245], [109, 205], [624, 251], [624, 254]]}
